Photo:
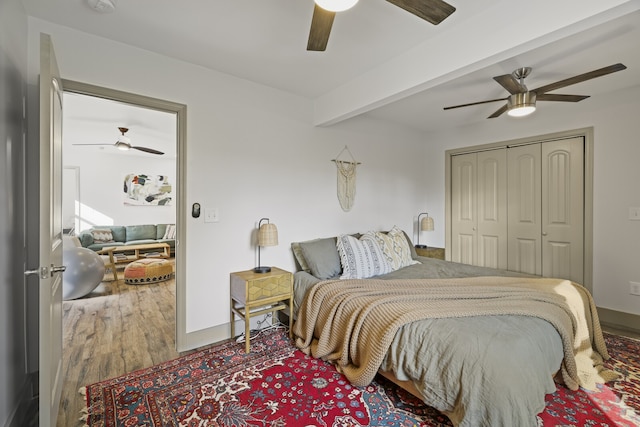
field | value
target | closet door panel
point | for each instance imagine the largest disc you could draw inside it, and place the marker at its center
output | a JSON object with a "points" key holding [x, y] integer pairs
{"points": [[492, 209], [563, 208], [464, 208], [524, 205], [526, 257]]}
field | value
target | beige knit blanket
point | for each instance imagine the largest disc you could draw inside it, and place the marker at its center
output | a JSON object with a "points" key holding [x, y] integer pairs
{"points": [[352, 322]]}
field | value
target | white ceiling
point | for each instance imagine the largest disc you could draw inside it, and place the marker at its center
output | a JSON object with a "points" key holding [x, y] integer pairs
{"points": [[265, 41], [95, 121]]}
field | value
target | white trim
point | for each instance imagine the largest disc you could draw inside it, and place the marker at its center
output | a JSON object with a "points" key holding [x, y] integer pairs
{"points": [[182, 341]]}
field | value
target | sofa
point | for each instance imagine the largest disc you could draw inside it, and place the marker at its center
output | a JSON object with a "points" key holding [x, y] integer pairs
{"points": [[99, 237]]}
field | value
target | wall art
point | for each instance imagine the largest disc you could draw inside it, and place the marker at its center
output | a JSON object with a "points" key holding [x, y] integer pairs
{"points": [[147, 190]]}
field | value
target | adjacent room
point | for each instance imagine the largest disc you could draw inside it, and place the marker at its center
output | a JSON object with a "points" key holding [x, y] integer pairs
{"points": [[292, 134]]}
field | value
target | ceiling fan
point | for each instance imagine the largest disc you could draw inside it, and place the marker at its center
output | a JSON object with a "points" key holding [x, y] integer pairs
{"points": [[124, 143], [522, 101], [434, 11]]}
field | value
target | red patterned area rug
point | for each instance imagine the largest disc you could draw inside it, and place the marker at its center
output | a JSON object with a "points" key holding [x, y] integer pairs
{"points": [[276, 385]]}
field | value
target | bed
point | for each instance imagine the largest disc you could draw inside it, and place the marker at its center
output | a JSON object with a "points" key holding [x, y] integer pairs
{"points": [[467, 340]]}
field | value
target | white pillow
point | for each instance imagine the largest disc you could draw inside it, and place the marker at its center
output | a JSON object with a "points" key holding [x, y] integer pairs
{"points": [[395, 247], [361, 258], [102, 236], [170, 232]]}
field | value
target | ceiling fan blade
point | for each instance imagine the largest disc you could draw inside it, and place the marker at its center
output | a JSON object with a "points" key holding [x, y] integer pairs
{"points": [[561, 98], [148, 150], [498, 112], [510, 83], [434, 11], [475, 103], [321, 24], [580, 78]]}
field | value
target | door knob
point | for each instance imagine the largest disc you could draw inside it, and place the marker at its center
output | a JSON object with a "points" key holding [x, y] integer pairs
{"points": [[59, 269]]}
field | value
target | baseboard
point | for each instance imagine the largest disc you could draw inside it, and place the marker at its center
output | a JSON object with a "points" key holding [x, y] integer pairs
{"points": [[204, 337], [208, 336], [620, 320]]}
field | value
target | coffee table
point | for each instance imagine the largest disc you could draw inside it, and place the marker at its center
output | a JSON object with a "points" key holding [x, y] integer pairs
{"points": [[127, 253]]}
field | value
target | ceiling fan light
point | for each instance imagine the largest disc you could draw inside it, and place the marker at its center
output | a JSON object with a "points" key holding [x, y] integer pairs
{"points": [[122, 145], [521, 104], [336, 5]]}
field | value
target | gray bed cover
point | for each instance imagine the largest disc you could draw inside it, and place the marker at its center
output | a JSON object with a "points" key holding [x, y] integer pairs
{"points": [[480, 371]]}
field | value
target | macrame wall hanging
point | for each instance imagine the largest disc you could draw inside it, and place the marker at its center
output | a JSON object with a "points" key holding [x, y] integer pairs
{"points": [[346, 179]]}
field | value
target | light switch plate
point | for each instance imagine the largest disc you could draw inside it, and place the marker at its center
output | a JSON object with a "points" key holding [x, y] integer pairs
{"points": [[634, 214], [211, 215]]}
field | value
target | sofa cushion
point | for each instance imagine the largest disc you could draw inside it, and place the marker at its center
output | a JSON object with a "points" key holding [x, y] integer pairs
{"points": [[86, 239], [118, 231], [161, 230], [99, 246], [141, 232], [141, 242]]}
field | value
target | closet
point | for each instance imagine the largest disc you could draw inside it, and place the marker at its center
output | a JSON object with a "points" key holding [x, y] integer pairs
{"points": [[520, 207]]}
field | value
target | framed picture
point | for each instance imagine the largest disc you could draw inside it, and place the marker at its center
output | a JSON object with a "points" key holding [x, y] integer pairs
{"points": [[147, 190]]}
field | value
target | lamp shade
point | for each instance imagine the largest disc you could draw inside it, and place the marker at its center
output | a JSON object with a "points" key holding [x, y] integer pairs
{"points": [[426, 224], [268, 235]]}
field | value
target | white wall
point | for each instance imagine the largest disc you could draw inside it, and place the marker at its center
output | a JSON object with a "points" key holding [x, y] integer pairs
{"points": [[616, 245], [101, 177], [252, 152]]}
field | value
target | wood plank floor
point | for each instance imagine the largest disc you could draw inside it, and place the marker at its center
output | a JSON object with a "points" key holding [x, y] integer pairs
{"points": [[116, 329], [119, 328]]}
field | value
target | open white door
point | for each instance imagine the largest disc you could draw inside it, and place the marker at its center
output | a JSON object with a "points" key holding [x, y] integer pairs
{"points": [[50, 268]]}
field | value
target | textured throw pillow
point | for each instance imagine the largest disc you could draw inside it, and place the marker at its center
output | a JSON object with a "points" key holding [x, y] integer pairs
{"points": [[395, 247], [170, 232], [102, 236], [361, 258], [321, 257]]}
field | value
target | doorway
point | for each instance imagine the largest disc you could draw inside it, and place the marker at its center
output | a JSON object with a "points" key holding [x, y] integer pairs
{"points": [[179, 112]]}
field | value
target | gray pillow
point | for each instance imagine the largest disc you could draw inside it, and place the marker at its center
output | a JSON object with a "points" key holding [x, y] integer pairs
{"points": [[322, 258]]}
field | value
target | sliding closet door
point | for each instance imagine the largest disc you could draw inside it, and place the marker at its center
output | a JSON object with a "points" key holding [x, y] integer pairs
{"points": [[563, 209], [525, 209]]}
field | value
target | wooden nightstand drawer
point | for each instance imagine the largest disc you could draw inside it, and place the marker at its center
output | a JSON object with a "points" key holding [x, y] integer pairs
{"points": [[431, 252], [248, 286]]}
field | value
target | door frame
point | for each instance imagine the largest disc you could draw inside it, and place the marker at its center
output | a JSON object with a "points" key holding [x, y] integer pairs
{"points": [[587, 134], [181, 167]]}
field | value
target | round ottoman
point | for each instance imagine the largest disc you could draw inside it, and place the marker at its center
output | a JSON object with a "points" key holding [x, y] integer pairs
{"points": [[147, 270]]}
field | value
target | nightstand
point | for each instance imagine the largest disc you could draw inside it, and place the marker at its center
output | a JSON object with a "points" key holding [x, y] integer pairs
{"points": [[431, 252], [253, 294]]}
